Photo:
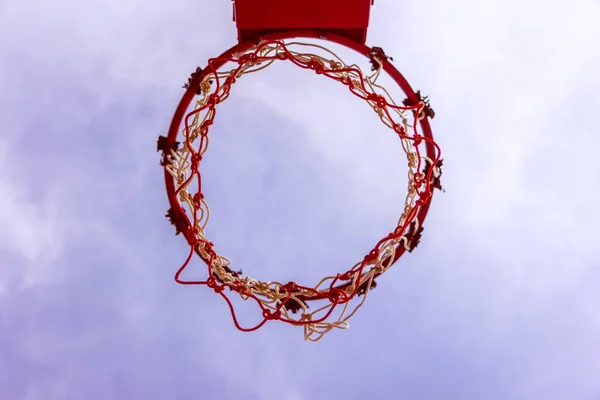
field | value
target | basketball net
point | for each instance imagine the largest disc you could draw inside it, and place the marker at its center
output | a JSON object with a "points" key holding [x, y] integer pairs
{"points": [[338, 296]]}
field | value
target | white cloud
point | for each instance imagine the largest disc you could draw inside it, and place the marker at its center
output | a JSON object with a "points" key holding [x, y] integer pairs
{"points": [[508, 255], [31, 227]]}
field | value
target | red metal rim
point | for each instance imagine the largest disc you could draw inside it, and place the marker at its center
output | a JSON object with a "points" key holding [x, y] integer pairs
{"points": [[181, 223]]}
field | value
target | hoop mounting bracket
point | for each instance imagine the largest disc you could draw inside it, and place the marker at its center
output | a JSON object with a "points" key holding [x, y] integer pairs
{"points": [[256, 18]]}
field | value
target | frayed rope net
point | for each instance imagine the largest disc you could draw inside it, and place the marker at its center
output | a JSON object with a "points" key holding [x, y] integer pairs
{"points": [[339, 296]]}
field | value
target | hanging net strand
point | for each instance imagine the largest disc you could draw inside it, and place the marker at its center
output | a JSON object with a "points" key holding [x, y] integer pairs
{"points": [[339, 296]]}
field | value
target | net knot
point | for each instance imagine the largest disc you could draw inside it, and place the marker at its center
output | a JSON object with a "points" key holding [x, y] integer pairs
{"points": [[346, 276], [290, 286], [230, 80], [205, 86], [399, 231], [306, 317], [417, 139], [241, 288], [204, 126], [192, 236], [377, 99], [212, 101], [219, 289], [346, 80], [208, 248], [198, 197], [214, 285], [316, 65], [268, 315], [337, 296], [196, 158], [423, 197], [400, 130], [335, 64], [419, 179], [371, 257], [247, 58]]}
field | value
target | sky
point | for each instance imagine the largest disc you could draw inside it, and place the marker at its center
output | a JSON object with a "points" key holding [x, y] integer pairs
{"points": [[499, 301]]}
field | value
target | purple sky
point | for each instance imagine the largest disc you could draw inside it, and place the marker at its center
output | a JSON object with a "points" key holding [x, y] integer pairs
{"points": [[500, 300]]}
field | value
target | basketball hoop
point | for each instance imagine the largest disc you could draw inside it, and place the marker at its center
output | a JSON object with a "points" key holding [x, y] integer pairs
{"points": [[337, 297]]}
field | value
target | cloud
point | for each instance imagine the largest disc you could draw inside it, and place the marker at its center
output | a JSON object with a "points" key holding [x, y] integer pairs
{"points": [[497, 302], [32, 232]]}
